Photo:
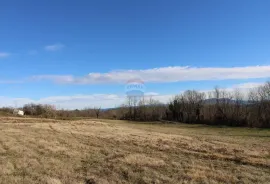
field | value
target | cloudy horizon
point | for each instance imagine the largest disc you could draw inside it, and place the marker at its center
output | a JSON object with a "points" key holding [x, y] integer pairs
{"points": [[82, 56]]}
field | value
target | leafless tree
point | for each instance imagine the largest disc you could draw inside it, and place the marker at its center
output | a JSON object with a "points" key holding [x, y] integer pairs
{"points": [[97, 111]]}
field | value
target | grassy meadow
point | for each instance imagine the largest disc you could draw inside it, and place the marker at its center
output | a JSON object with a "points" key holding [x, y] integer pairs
{"points": [[112, 151]]}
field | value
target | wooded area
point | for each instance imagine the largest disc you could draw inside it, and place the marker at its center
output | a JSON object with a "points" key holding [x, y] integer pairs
{"points": [[217, 107]]}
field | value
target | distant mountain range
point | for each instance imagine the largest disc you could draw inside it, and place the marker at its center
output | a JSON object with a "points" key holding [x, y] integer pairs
{"points": [[210, 101], [227, 100]]}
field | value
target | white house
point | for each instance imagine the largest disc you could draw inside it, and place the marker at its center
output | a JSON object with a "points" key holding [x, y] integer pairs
{"points": [[18, 112]]}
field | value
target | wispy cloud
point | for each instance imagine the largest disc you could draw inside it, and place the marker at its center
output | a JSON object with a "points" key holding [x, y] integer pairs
{"points": [[103, 100], [69, 102], [4, 54], [54, 47], [78, 101], [164, 75], [248, 85], [54, 78]]}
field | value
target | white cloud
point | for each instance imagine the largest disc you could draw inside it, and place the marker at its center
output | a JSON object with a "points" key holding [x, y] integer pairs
{"points": [[164, 75], [54, 78], [69, 102], [102, 100], [13, 102], [248, 85], [54, 47], [4, 54], [151, 94]]}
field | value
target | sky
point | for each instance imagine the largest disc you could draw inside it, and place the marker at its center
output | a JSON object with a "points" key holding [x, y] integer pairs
{"points": [[77, 54]]}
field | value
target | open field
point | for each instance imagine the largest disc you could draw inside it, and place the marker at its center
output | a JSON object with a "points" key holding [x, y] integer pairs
{"points": [[108, 151]]}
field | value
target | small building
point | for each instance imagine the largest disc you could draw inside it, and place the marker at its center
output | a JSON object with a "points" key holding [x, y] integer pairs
{"points": [[18, 112]]}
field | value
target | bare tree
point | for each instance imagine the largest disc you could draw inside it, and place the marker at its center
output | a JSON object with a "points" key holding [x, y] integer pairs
{"points": [[234, 108], [97, 111], [187, 106]]}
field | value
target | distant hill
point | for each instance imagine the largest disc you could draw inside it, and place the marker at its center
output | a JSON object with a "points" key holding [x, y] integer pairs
{"points": [[227, 100], [210, 101]]}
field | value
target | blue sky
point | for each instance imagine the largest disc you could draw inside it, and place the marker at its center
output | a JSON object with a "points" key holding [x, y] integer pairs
{"points": [[77, 54]]}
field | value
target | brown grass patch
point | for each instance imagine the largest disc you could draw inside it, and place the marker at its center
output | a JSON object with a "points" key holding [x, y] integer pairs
{"points": [[140, 160], [90, 151]]}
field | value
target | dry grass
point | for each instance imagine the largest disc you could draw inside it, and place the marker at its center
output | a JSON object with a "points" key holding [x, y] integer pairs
{"points": [[89, 151]]}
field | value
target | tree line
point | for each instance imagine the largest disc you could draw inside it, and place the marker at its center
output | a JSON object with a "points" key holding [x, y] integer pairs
{"points": [[216, 107]]}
